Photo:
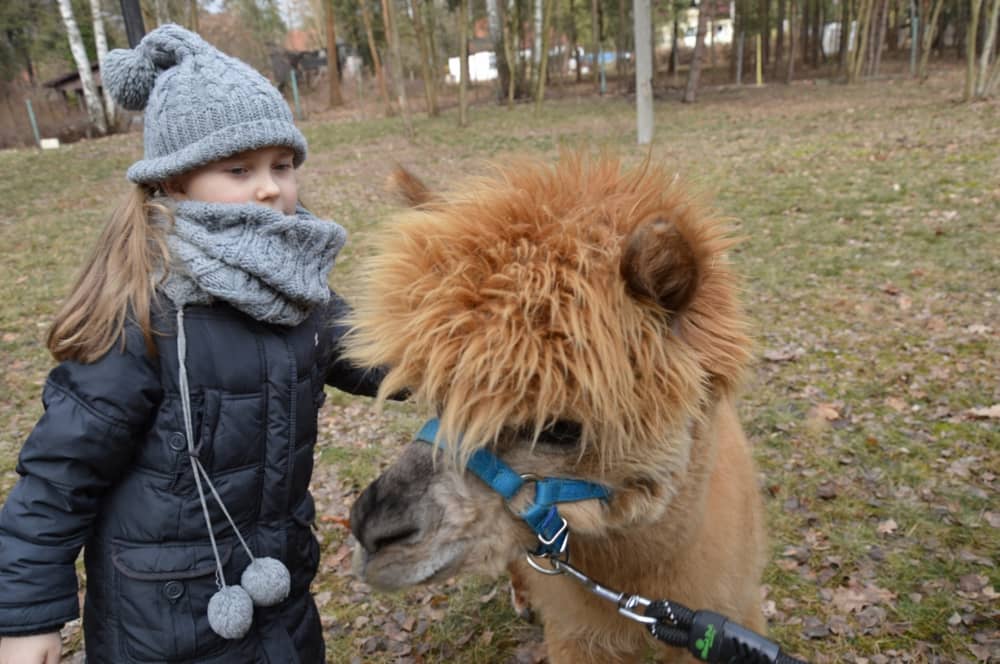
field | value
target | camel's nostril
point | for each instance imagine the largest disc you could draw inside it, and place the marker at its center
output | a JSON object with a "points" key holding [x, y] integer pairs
{"points": [[388, 539]]}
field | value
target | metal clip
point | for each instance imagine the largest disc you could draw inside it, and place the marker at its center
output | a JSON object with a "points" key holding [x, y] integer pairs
{"points": [[629, 602]]}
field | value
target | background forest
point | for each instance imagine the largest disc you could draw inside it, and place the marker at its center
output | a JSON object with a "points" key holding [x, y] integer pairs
{"points": [[399, 57]]}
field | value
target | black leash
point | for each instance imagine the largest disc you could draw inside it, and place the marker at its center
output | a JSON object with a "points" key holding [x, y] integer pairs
{"points": [[707, 635]]}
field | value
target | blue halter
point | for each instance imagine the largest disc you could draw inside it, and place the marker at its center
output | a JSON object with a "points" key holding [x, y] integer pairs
{"points": [[542, 515]]}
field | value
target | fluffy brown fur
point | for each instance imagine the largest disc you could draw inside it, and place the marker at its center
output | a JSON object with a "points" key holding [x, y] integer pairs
{"points": [[487, 292], [583, 292]]}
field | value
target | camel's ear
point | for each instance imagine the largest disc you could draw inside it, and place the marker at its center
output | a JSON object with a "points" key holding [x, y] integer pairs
{"points": [[408, 187], [659, 264]]}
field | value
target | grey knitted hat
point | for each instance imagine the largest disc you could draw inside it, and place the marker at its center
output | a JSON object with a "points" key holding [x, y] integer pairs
{"points": [[201, 104]]}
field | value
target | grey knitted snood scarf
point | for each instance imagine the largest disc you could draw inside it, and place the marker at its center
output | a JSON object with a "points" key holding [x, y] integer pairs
{"points": [[271, 266]]}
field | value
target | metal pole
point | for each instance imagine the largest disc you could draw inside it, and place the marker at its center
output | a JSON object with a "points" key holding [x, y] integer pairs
{"points": [[643, 71], [295, 95], [34, 125], [134, 28]]}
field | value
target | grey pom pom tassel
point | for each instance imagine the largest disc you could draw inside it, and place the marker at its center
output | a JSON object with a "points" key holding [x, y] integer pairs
{"points": [[230, 612], [267, 581], [129, 75]]}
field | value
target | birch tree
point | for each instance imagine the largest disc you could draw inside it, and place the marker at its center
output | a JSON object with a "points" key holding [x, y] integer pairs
{"points": [[396, 61], [332, 59], [90, 97], [101, 40]]}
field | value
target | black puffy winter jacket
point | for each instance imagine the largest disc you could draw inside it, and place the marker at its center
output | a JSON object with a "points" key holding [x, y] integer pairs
{"points": [[106, 469]]}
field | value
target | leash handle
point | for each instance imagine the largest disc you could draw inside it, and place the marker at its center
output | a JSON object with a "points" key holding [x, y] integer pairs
{"points": [[711, 637]]}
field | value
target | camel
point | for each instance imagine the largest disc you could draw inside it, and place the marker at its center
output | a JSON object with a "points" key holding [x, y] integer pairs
{"points": [[577, 320]]}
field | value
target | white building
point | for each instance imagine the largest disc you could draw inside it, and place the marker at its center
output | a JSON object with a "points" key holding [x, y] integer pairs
{"points": [[482, 67]]}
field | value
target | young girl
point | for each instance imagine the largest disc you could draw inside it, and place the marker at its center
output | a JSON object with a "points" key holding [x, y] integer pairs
{"points": [[177, 441]]}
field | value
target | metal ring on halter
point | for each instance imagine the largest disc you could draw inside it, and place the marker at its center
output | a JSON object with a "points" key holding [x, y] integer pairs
{"points": [[554, 563], [527, 478]]}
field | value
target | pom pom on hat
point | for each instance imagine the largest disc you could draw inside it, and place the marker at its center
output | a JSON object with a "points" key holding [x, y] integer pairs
{"points": [[267, 581], [129, 75], [230, 612]]}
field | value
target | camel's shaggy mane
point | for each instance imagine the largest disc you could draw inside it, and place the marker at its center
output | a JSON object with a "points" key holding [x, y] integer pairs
{"points": [[504, 303]]}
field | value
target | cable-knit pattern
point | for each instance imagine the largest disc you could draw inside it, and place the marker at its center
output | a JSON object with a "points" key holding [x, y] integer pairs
{"points": [[271, 266], [200, 104]]}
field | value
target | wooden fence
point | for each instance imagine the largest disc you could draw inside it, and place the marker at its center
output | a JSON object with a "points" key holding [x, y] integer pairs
{"points": [[65, 119]]}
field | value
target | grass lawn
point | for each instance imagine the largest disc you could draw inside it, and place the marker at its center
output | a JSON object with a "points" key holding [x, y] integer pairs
{"points": [[872, 273]]}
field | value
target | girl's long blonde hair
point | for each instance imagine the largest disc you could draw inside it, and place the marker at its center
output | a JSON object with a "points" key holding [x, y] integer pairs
{"points": [[116, 283]]}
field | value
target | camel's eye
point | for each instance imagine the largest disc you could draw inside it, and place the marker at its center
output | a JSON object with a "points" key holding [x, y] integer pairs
{"points": [[563, 433]]}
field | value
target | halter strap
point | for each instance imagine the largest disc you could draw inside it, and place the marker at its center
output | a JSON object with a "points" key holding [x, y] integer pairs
{"points": [[542, 514]]}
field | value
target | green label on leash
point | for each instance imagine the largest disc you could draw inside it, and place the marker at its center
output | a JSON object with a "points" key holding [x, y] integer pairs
{"points": [[704, 644]]}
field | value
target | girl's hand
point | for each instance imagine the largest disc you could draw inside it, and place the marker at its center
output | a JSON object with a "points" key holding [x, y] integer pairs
{"points": [[35, 649]]}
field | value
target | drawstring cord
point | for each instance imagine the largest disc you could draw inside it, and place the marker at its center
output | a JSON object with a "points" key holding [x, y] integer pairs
{"points": [[196, 467]]}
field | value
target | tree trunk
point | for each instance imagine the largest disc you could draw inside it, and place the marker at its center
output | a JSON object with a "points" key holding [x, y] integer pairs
{"points": [[817, 33], [595, 28], [573, 45], [463, 56], [91, 100], [970, 50], [987, 60], [392, 34], [765, 29], [494, 21], [845, 35], [895, 25], [366, 16], [857, 58], [426, 67], [672, 67], [883, 20], [543, 64], [806, 24], [929, 28], [193, 15], [643, 70], [101, 40], [536, 47], [779, 38], [332, 61], [508, 54], [621, 44], [691, 89], [162, 9], [436, 67], [790, 71]]}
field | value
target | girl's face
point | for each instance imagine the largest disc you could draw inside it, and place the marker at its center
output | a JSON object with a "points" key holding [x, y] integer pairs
{"points": [[265, 176]]}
